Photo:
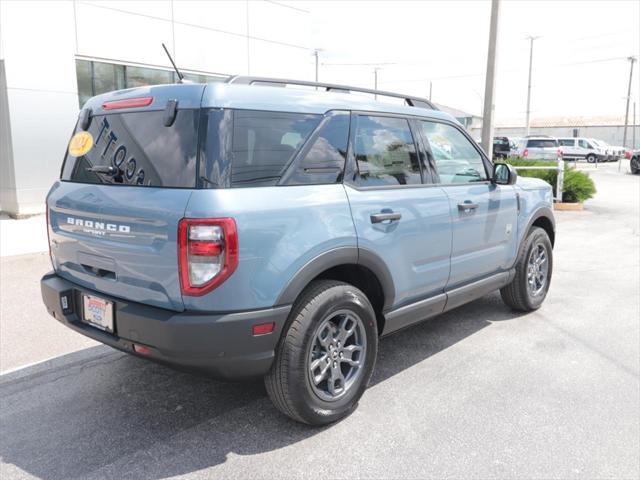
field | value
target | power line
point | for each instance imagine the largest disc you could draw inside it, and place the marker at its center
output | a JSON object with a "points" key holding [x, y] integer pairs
{"points": [[375, 64], [195, 25], [284, 5], [511, 70]]}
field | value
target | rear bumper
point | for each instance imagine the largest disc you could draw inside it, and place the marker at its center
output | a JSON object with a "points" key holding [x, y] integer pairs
{"points": [[219, 344]]}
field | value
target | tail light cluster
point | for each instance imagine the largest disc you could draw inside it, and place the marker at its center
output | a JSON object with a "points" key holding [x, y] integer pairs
{"points": [[207, 253], [525, 154], [560, 152]]}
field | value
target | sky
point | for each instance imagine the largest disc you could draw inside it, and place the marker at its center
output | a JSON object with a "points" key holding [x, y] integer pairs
{"points": [[580, 65]]}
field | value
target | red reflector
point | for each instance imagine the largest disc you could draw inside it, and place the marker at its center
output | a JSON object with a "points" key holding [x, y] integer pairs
{"points": [[263, 328], [205, 249], [141, 349], [128, 103]]}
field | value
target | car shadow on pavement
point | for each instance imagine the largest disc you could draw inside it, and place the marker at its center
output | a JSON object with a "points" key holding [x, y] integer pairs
{"points": [[117, 416]]}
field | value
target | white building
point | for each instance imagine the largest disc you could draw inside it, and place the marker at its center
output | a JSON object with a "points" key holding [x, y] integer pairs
{"points": [[607, 128], [55, 54]]}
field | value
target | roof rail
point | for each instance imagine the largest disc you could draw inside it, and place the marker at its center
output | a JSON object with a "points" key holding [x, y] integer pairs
{"points": [[281, 82]]}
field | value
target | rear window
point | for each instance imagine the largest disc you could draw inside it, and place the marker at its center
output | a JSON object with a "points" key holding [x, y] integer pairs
{"points": [[141, 150], [542, 143]]}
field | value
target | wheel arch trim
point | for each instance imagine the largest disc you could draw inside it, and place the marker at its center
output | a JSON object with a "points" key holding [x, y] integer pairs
{"points": [[334, 258], [541, 212]]}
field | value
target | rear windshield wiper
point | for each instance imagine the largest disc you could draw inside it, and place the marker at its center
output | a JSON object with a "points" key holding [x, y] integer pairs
{"points": [[104, 169]]}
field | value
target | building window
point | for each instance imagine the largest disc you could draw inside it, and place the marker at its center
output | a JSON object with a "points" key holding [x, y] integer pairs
{"points": [[95, 78]]}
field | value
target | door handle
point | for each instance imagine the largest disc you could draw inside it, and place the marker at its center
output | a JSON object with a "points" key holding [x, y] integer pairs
{"points": [[384, 216], [467, 206]]}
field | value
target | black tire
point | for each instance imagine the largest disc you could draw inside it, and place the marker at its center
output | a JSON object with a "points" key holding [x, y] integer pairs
{"points": [[289, 383], [591, 158], [635, 165], [518, 294]]}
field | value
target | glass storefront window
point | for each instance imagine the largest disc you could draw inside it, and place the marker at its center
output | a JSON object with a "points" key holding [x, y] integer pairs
{"points": [[107, 77], [141, 76], [85, 87], [95, 78]]}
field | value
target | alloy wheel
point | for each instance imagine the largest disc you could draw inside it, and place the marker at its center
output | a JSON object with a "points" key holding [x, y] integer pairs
{"points": [[537, 269], [337, 354]]}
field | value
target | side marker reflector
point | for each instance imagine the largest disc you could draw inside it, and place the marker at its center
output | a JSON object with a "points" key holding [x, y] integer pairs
{"points": [[263, 328], [141, 349]]}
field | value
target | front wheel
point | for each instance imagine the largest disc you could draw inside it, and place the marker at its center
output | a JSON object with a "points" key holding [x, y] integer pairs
{"points": [[326, 357], [534, 267], [591, 158]]}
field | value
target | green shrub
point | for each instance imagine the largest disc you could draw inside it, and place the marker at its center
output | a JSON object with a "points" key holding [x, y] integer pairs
{"points": [[578, 186]]}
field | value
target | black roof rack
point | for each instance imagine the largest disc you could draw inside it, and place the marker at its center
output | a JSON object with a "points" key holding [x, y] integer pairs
{"points": [[281, 82]]}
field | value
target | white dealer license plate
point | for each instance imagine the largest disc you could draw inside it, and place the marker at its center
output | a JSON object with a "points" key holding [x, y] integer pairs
{"points": [[98, 312]]}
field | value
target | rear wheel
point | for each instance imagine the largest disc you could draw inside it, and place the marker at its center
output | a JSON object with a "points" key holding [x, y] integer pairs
{"points": [[635, 165], [326, 357], [534, 267]]}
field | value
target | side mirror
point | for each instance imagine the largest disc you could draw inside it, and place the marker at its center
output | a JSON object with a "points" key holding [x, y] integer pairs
{"points": [[504, 174]]}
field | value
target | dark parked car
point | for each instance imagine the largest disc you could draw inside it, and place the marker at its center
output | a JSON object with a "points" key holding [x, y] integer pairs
{"points": [[635, 162], [501, 147]]}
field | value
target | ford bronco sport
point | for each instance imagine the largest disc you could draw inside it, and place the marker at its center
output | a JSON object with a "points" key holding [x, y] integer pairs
{"points": [[246, 230]]}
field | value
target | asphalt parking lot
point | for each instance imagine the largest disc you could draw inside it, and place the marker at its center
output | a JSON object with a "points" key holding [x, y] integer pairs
{"points": [[481, 392]]}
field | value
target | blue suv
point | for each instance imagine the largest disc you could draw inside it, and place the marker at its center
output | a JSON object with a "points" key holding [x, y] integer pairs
{"points": [[247, 230]]}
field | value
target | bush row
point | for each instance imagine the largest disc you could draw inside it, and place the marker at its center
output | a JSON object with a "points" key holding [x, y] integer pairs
{"points": [[578, 186]]}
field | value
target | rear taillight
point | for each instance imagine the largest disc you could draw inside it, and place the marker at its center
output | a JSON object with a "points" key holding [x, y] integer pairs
{"points": [[207, 253], [559, 152], [525, 153], [128, 103]]}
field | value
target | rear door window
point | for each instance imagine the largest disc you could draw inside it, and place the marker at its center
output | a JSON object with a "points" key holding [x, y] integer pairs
{"points": [[141, 150], [385, 152], [264, 143]]}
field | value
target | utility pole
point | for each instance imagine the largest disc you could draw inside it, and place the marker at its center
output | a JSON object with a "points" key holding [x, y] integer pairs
{"points": [[632, 60], [633, 146], [626, 114], [430, 89], [527, 121], [316, 54], [489, 88], [375, 81]]}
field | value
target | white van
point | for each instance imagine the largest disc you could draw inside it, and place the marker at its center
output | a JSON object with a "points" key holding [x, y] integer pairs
{"points": [[582, 148]]}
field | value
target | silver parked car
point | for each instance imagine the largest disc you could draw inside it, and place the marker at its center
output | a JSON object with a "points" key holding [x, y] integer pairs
{"points": [[539, 147]]}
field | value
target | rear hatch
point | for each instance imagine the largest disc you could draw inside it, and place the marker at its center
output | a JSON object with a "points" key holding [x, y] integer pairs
{"points": [[542, 149], [125, 183], [501, 145]]}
